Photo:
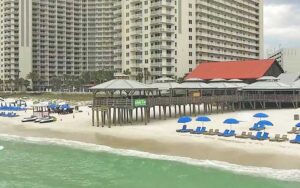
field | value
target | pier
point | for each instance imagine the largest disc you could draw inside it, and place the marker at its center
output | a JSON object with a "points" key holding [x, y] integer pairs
{"points": [[120, 102]]}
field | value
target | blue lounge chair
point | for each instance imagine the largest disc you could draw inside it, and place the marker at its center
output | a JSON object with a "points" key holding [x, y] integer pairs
{"points": [[196, 131], [257, 127], [261, 127], [296, 140], [199, 130], [12, 115], [184, 129], [265, 136], [230, 133], [258, 136], [203, 130], [225, 132]]}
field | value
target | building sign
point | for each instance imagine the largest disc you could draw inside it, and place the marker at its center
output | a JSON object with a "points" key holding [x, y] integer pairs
{"points": [[140, 102], [196, 94]]}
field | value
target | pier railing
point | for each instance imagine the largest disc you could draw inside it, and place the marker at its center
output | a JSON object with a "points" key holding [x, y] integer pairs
{"points": [[270, 98], [182, 100], [166, 101]]}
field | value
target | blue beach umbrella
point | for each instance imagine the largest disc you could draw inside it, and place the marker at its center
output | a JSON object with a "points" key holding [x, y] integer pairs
{"points": [[265, 122], [52, 106], [298, 124], [184, 119], [203, 119], [231, 121], [260, 115]]}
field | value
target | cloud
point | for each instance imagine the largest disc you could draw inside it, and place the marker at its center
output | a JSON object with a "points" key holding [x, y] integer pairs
{"points": [[282, 24]]}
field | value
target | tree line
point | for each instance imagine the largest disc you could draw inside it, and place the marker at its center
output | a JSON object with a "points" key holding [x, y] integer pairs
{"points": [[57, 83]]}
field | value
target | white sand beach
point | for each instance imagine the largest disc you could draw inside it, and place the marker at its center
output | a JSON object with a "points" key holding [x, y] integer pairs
{"points": [[160, 137]]}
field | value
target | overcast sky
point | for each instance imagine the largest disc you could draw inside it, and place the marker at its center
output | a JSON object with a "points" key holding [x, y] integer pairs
{"points": [[281, 24]]}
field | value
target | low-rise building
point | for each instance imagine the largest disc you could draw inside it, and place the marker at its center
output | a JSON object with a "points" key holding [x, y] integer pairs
{"points": [[288, 58]]}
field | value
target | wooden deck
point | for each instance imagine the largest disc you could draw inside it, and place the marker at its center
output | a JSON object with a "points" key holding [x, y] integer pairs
{"points": [[119, 111]]}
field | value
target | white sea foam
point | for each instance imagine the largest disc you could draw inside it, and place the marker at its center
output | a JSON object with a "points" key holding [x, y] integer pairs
{"points": [[283, 175], [1, 148]]}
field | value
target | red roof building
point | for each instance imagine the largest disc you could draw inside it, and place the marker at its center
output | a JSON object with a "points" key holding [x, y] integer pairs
{"points": [[244, 70]]}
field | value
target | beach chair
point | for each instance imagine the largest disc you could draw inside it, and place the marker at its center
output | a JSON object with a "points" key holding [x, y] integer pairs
{"points": [[260, 128], [284, 138], [296, 140], [243, 135], [293, 131], [276, 138], [12, 114], [6, 114], [216, 132], [203, 130], [257, 136], [265, 136], [257, 127], [225, 132], [196, 131], [230, 134], [249, 135], [184, 129], [210, 132]]}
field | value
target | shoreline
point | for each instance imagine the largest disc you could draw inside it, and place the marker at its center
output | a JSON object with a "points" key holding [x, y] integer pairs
{"points": [[221, 153], [161, 138]]}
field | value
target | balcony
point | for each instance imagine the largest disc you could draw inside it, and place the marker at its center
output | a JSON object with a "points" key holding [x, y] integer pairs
{"points": [[162, 47], [162, 30], [156, 73], [136, 41], [162, 4]]}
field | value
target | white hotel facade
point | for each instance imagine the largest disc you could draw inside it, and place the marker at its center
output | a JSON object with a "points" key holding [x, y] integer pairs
{"points": [[146, 38]]}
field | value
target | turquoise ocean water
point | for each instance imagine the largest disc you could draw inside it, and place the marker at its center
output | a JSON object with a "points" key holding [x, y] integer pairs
{"points": [[56, 163]]}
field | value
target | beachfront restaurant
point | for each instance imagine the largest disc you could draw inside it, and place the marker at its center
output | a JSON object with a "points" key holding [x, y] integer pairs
{"points": [[122, 101], [268, 92]]}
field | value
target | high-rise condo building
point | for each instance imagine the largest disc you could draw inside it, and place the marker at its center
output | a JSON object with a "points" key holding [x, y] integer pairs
{"points": [[144, 38]]}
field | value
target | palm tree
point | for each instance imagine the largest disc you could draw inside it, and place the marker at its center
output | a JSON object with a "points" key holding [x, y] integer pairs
{"points": [[146, 74], [18, 83], [127, 72], [56, 83], [9, 83], [2, 84], [34, 77], [180, 79], [140, 77], [26, 84]]}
